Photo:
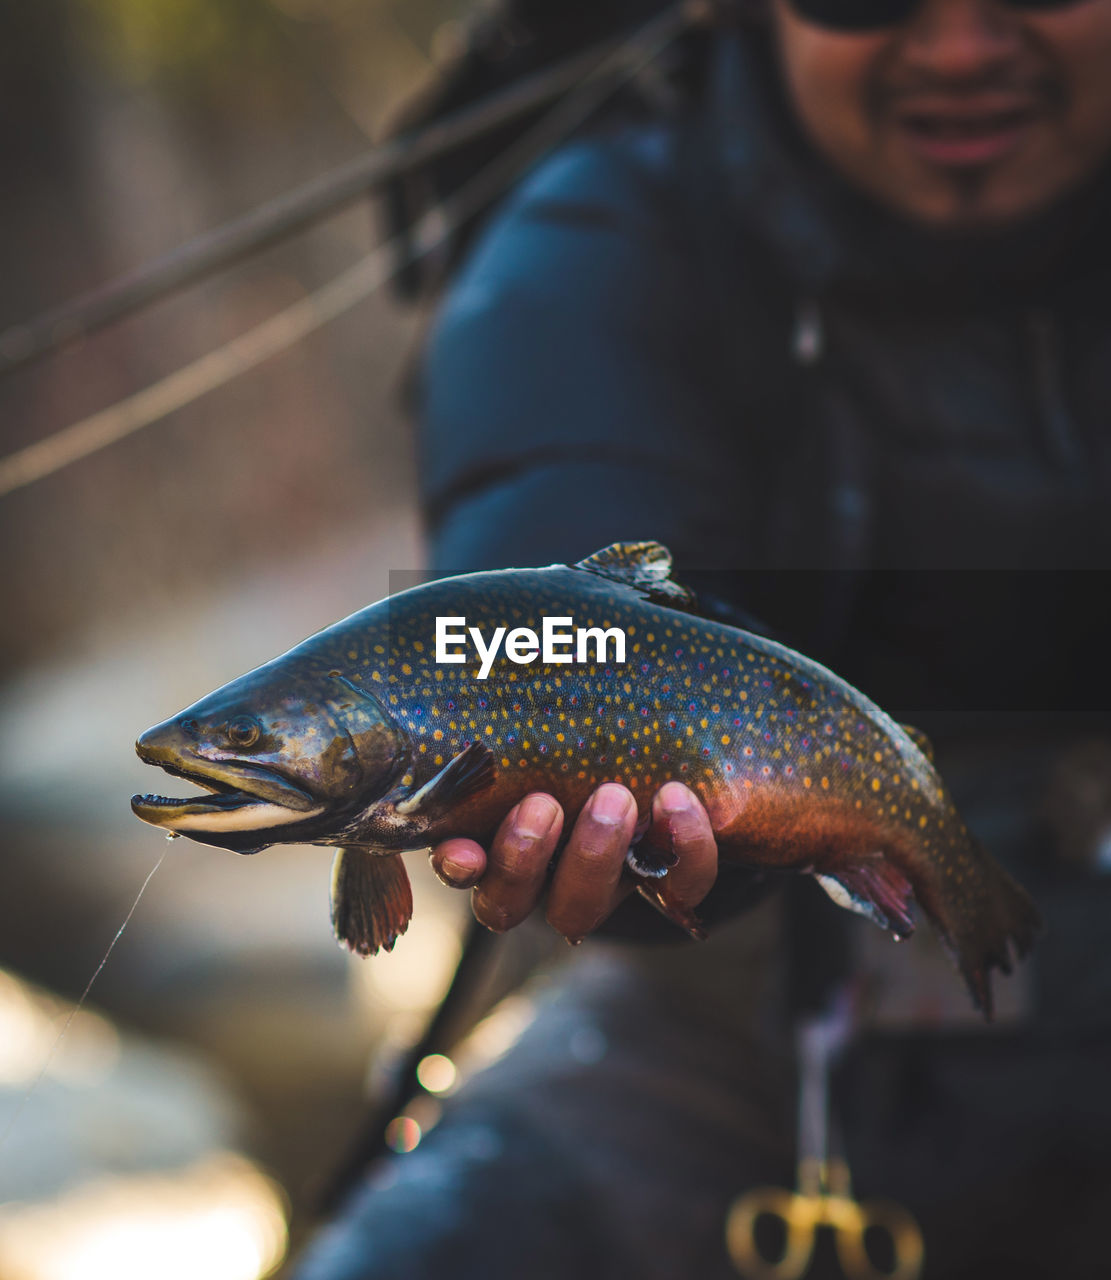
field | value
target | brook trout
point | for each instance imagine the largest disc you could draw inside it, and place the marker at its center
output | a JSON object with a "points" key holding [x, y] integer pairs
{"points": [[360, 739]]}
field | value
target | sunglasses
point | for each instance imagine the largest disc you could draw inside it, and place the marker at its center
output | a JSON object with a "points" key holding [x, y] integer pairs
{"points": [[873, 15]]}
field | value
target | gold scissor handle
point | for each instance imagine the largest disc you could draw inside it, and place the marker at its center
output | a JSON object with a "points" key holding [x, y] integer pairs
{"points": [[798, 1213], [802, 1215], [907, 1246]]}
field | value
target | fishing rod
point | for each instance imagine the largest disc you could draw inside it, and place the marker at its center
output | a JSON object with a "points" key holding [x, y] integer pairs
{"points": [[440, 1035], [299, 209], [431, 231]]}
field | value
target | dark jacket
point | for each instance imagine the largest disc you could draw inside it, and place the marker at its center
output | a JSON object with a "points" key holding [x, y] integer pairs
{"points": [[692, 331]]}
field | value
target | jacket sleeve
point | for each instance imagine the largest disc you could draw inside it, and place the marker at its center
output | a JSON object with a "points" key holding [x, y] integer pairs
{"points": [[567, 400]]}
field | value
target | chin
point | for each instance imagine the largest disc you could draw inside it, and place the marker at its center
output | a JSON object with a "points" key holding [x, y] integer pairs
{"points": [[975, 202]]}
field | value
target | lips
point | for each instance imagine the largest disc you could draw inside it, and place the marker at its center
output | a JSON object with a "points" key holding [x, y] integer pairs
{"points": [[227, 815], [967, 132], [160, 810], [247, 779]]}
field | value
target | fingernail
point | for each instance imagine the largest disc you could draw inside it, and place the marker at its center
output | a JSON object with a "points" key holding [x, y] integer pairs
{"points": [[537, 816], [675, 798], [610, 805], [456, 874], [491, 917], [573, 942]]}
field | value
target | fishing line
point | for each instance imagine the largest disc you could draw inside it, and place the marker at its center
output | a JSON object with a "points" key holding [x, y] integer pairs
{"points": [[77, 1008], [295, 322]]}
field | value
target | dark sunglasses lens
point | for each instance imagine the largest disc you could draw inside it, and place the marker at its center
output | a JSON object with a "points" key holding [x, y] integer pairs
{"points": [[872, 15], [854, 15], [1042, 4]]}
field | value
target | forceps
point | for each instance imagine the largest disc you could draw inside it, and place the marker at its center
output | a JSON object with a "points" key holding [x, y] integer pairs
{"points": [[823, 1197]]}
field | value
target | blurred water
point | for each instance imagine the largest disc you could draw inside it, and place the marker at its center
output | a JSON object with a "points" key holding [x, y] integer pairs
{"points": [[142, 578]]}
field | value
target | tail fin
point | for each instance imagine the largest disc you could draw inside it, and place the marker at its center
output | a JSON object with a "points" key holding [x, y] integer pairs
{"points": [[996, 921], [982, 915]]}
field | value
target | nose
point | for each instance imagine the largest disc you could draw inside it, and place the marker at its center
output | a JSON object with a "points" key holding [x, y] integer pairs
{"points": [[159, 743], [961, 39], [148, 742]]}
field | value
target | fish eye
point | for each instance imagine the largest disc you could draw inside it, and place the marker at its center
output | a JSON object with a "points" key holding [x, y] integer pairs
{"points": [[243, 731]]}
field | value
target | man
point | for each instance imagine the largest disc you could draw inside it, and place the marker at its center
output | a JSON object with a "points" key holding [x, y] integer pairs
{"points": [[838, 334]]}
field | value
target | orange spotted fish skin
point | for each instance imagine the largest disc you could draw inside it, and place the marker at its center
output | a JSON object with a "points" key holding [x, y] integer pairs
{"points": [[797, 769]]}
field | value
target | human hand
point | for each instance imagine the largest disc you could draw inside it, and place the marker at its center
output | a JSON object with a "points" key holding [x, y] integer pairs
{"points": [[588, 881]]}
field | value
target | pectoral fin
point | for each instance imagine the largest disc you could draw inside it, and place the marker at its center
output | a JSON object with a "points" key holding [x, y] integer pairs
{"points": [[372, 902], [471, 770]]}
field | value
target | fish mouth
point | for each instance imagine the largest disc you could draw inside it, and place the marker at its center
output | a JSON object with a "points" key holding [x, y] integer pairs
{"points": [[237, 797]]}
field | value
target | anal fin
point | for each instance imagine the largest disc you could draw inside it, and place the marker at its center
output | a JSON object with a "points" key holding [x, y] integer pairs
{"points": [[874, 888], [372, 901]]}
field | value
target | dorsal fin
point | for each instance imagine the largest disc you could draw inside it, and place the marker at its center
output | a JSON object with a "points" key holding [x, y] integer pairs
{"points": [[643, 565]]}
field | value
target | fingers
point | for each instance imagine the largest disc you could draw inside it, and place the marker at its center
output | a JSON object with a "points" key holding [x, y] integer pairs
{"points": [[681, 825], [458, 863], [517, 867], [587, 885]]}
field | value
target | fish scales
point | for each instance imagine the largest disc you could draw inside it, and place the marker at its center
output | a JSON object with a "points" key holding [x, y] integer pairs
{"points": [[797, 769]]}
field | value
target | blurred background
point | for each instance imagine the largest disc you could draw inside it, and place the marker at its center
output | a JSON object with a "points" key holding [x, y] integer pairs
{"points": [[194, 1108]]}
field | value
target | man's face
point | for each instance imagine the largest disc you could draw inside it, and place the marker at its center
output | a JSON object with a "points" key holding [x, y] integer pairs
{"points": [[967, 114]]}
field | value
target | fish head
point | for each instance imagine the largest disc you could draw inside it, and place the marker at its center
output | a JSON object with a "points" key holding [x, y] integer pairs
{"points": [[284, 756]]}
